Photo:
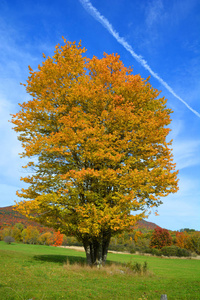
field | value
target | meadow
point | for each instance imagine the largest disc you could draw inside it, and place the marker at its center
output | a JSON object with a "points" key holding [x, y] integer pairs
{"points": [[44, 272]]}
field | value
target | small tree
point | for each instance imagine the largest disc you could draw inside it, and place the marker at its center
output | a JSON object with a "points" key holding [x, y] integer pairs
{"points": [[9, 239], [30, 235], [99, 133], [160, 238]]}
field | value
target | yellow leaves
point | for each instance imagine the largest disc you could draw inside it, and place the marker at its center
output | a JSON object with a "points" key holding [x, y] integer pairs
{"points": [[99, 133]]}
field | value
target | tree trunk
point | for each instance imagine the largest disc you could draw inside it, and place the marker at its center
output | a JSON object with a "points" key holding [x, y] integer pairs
{"points": [[96, 250]]}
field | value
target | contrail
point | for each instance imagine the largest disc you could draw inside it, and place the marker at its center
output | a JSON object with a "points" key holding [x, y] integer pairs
{"points": [[101, 19]]}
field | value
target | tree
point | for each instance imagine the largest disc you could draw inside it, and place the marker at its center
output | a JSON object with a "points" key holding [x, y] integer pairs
{"points": [[95, 136], [181, 239], [187, 230], [9, 239], [46, 238], [17, 234], [160, 238], [30, 235]]}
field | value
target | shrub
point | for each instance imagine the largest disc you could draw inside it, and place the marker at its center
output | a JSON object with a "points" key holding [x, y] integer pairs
{"points": [[153, 251], [120, 248], [148, 250], [131, 249], [156, 252], [183, 252], [175, 251], [137, 267], [9, 239]]}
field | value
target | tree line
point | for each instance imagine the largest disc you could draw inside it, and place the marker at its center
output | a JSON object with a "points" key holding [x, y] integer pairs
{"points": [[157, 242], [30, 235]]}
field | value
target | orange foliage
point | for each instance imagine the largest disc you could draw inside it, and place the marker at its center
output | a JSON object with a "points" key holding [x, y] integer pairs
{"points": [[99, 133], [138, 234], [181, 239], [57, 239]]}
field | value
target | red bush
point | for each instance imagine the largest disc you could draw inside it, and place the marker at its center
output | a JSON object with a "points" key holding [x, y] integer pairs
{"points": [[58, 239]]}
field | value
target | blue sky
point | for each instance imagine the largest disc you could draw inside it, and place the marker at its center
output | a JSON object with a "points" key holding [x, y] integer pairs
{"points": [[161, 37]]}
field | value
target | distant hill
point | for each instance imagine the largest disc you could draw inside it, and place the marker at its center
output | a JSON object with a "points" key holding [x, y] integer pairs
{"points": [[142, 224], [9, 216]]}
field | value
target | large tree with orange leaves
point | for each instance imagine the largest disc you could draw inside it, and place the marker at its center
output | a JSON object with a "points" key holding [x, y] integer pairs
{"points": [[99, 135]]}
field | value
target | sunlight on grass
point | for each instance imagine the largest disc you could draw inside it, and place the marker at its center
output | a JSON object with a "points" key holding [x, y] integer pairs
{"points": [[129, 268], [43, 272]]}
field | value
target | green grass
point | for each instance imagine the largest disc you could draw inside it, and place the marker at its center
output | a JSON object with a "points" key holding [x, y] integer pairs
{"points": [[42, 272]]}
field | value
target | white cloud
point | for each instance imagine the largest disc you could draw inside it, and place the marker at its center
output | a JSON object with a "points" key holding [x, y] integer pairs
{"points": [[186, 153]]}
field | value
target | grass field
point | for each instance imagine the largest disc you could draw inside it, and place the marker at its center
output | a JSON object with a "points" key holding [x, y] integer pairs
{"points": [[42, 272]]}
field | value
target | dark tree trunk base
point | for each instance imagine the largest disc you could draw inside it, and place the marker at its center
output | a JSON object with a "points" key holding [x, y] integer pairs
{"points": [[96, 250]]}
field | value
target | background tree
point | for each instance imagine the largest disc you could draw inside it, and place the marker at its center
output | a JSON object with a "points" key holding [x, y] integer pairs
{"points": [[17, 234], [160, 238], [30, 235], [181, 239], [9, 239], [99, 135], [46, 238]]}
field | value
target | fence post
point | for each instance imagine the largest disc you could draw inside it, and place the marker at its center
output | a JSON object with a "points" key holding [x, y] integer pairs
{"points": [[163, 297]]}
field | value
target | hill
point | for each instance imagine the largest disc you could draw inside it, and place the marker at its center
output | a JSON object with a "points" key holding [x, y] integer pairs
{"points": [[9, 216]]}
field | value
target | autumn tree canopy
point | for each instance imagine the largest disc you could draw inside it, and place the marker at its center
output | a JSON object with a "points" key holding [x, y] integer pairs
{"points": [[95, 136], [160, 238]]}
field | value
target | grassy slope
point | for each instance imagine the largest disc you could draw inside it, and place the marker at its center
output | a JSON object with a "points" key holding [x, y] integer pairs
{"points": [[40, 272]]}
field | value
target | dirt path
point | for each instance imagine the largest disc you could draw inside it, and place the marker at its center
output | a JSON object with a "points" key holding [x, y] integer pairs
{"points": [[81, 249]]}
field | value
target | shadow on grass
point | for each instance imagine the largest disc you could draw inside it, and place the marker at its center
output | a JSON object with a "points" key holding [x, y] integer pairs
{"points": [[60, 259]]}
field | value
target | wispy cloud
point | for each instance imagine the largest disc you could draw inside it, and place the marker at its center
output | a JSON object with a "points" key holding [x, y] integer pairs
{"points": [[180, 207], [154, 12], [186, 153], [100, 18]]}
